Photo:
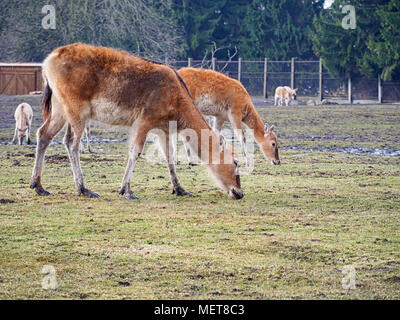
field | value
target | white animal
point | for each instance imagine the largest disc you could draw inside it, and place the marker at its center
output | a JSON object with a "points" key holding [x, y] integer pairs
{"points": [[23, 122], [286, 93]]}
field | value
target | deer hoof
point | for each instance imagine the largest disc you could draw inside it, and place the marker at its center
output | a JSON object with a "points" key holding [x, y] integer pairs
{"points": [[130, 196], [41, 192], [88, 193], [179, 191]]}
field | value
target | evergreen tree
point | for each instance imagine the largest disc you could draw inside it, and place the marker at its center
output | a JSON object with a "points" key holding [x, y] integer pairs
{"points": [[344, 50], [199, 20], [279, 30], [228, 30], [384, 49]]}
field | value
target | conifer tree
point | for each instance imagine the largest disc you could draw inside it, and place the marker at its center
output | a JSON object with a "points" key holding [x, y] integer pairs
{"points": [[279, 30]]}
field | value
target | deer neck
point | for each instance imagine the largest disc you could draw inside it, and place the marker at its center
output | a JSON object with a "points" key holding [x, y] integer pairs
{"points": [[254, 122]]}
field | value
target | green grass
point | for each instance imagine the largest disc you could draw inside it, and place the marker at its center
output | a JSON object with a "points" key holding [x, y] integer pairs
{"points": [[291, 235]]}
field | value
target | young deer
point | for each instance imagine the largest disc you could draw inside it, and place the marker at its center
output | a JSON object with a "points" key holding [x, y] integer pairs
{"points": [[286, 93], [227, 100], [23, 123], [85, 82]]}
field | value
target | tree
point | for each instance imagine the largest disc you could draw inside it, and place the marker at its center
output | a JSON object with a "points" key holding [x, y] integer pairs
{"points": [[228, 31], [199, 20], [134, 25], [344, 51], [384, 49], [279, 30]]}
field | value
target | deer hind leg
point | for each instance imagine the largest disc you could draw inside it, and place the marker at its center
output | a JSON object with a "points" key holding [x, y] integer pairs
{"points": [[168, 150], [45, 134], [72, 140], [28, 134], [14, 140], [137, 141]]}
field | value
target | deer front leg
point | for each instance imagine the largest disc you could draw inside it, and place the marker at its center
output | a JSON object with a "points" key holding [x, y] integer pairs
{"points": [[138, 139], [168, 150], [87, 133], [191, 158], [237, 125]]}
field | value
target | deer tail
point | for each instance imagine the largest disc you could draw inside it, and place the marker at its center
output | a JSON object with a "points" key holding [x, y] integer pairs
{"points": [[46, 102]]}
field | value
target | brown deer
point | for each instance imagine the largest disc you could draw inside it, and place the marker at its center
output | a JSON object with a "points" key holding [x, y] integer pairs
{"points": [[23, 122], [85, 82], [227, 100]]}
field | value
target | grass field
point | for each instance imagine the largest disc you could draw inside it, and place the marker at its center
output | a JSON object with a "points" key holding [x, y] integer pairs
{"points": [[291, 235]]}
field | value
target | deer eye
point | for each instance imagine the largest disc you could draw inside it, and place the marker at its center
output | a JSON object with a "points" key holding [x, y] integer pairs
{"points": [[273, 144]]}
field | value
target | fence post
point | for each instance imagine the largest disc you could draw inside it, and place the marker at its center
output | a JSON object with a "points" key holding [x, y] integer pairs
{"points": [[265, 93], [189, 62], [349, 88], [213, 64], [240, 69], [320, 96], [380, 87], [292, 74]]}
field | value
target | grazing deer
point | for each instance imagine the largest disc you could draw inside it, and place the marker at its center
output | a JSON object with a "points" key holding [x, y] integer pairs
{"points": [[286, 93], [227, 100], [85, 82], [23, 123]]}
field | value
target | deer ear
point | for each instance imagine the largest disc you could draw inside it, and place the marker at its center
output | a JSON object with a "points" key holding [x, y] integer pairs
{"points": [[266, 128], [271, 128], [295, 90]]}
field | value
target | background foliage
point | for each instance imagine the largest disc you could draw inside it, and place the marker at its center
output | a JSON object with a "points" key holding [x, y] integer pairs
{"points": [[177, 29]]}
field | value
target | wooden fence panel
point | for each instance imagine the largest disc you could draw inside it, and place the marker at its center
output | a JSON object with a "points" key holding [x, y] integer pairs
{"points": [[20, 78]]}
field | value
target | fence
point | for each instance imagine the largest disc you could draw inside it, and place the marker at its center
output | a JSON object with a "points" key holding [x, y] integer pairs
{"points": [[20, 78], [260, 78]]}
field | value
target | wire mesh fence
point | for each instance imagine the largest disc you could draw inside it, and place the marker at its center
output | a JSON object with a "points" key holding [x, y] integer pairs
{"points": [[262, 77]]}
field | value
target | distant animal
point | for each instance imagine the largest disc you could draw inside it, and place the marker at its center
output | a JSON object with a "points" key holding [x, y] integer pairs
{"points": [[85, 82], [23, 122], [226, 99], [284, 93], [87, 135]]}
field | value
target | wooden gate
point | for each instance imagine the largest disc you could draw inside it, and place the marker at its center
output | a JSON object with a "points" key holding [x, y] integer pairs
{"points": [[20, 78]]}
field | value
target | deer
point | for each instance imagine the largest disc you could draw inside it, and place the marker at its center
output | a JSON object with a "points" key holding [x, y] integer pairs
{"points": [[226, 99], [286, 93], [84, 82], [23, 122]]}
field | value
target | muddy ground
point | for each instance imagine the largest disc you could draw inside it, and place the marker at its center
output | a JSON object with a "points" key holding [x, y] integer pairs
{"points": [[358, 129]]}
